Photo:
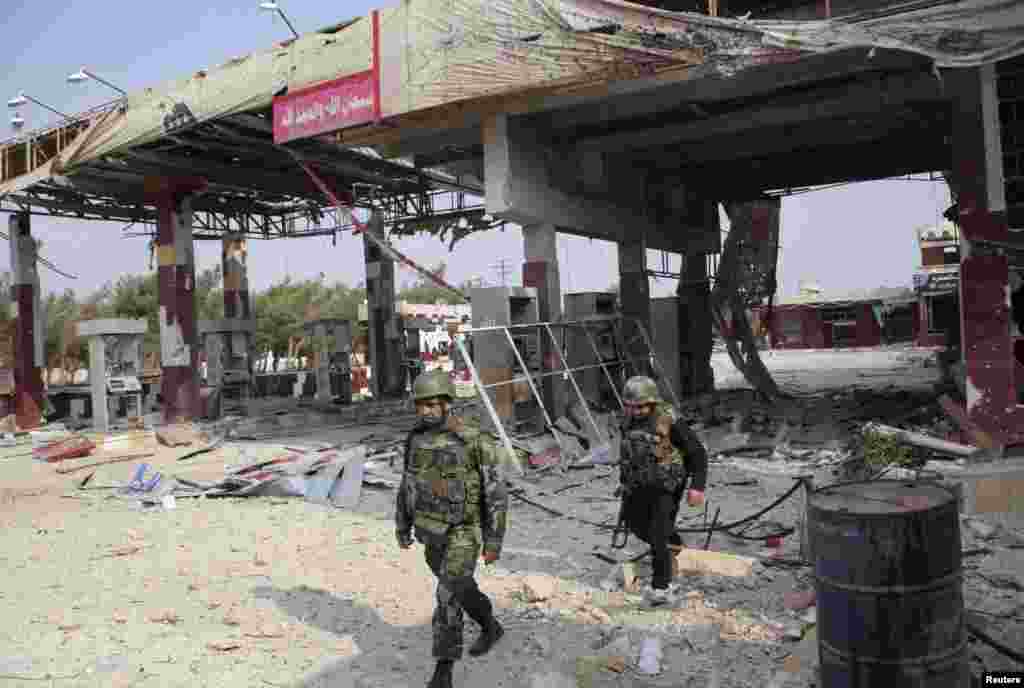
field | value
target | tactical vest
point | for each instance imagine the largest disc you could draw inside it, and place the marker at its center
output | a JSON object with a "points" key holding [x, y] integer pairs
{"points": [[448, 485], [649, 459]]}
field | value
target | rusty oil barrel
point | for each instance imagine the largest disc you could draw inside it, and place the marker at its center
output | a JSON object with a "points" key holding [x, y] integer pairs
{"points": [[887, 568]]}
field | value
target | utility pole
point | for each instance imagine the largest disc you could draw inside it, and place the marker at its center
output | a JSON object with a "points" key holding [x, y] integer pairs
{"points": [[503, 271]]}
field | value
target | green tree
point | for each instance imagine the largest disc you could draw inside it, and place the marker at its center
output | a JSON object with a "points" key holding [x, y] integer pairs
{"points": [[210, 294], [60, 314], [137, 297], [427, 291], [282, 309]]}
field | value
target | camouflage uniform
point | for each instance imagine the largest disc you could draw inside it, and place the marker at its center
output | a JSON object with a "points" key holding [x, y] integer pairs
{"points": [[659, 454], [454, 494]]}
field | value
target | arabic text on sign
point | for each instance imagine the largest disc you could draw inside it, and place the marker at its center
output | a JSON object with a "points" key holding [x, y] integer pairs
{"points": [[317, 112]]}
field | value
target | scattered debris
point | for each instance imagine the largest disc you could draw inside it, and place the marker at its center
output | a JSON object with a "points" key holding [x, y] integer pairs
{"points": [[105, 461], [692, 561], [919, 440], [74, 447], [649, 660], [539, 588], [122, 551], [165, 616], [800, 600], [177, 435], [223, 645]]}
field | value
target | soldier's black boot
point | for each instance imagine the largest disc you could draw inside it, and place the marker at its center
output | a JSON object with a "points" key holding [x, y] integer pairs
{"points": [[489, 635], [442, 677]]}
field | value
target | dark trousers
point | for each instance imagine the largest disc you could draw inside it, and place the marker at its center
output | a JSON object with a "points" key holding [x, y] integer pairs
{"points": [[651, 516], [453, 562]]}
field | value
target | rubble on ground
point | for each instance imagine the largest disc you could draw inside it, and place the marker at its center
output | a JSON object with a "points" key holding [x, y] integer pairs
{"points": [[276, 588]]}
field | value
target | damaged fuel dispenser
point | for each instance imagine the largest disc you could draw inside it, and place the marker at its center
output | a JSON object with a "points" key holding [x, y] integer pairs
{"points": [[115, 363]]}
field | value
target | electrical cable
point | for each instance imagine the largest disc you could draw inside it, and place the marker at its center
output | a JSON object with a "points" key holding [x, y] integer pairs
{"points": [[45, 262], [748, 519], [994, 644]]}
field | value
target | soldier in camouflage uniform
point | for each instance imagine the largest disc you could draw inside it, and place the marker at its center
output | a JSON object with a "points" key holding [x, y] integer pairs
{"points": [[659, 453], [454, 493]]}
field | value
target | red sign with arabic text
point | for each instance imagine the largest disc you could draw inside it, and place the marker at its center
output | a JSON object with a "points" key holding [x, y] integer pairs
{"points": [[324, 108]]}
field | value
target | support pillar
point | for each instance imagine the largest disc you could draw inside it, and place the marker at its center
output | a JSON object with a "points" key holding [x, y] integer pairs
{"points": [[635, 302], [540, 271], [234, 267], [977, 184], [29, 334], [695, 331], [385, 331], [179, 337], [237, 305]]}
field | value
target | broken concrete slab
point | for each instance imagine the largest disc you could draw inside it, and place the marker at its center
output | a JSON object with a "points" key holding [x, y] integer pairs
{"points": [[177, 435], [539, 588], [693, 561]]}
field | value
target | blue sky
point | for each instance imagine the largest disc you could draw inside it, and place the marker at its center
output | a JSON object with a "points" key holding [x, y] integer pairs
{"points": [[844, 238]]}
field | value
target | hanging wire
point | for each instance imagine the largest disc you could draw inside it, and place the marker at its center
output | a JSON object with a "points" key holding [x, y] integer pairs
{"points": [[45, 262]]}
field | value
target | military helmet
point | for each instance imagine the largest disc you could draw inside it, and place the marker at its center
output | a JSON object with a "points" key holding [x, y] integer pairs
{"points": [[433, 384], [641, 390]]}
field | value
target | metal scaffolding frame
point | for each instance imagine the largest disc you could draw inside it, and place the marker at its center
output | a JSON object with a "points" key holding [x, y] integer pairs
{"points": [[622, 359], [255, 219]]}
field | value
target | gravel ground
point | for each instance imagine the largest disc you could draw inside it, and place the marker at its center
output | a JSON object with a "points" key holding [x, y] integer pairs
{"points": [[281, 592]]}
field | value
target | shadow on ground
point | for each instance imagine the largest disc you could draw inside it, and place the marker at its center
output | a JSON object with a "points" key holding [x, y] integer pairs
{"points": [[391, 656]]}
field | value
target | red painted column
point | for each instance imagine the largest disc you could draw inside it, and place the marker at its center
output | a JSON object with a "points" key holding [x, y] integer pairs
{"points": [[978, 187], [29, 335], [179, 340], [234, 267]]}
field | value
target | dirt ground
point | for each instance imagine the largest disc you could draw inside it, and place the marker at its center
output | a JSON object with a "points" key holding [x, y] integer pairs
{"points": [[271, 591]]}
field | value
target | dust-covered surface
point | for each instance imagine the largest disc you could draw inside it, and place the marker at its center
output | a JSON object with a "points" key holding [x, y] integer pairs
{"points": [[271, 591]]}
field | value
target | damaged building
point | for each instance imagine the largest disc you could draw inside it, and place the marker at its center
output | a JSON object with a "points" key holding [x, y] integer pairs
{"points": [[632, 123]]}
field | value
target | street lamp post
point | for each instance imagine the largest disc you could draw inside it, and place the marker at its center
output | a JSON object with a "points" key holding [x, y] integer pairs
{"points": [[17, 121], [274, 7], [84, 74]]}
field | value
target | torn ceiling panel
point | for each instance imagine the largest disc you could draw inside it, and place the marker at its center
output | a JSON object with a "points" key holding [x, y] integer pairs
{"points": [[968, 33]]}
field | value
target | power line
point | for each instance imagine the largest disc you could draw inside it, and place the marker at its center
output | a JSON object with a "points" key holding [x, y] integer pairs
{"points": [[45, 262], [503, 270]]}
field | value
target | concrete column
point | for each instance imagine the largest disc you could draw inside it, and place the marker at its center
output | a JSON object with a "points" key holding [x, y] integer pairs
{"points": [[179, 340], [234, 267], [978, 186], [635, 301], [237, 305], [98, 384], [695, 336], [29, 333], [540, 271], [385, 331]]}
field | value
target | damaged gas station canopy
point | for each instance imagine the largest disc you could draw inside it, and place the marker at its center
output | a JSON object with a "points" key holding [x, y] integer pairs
{"points": [[424, 54]]}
